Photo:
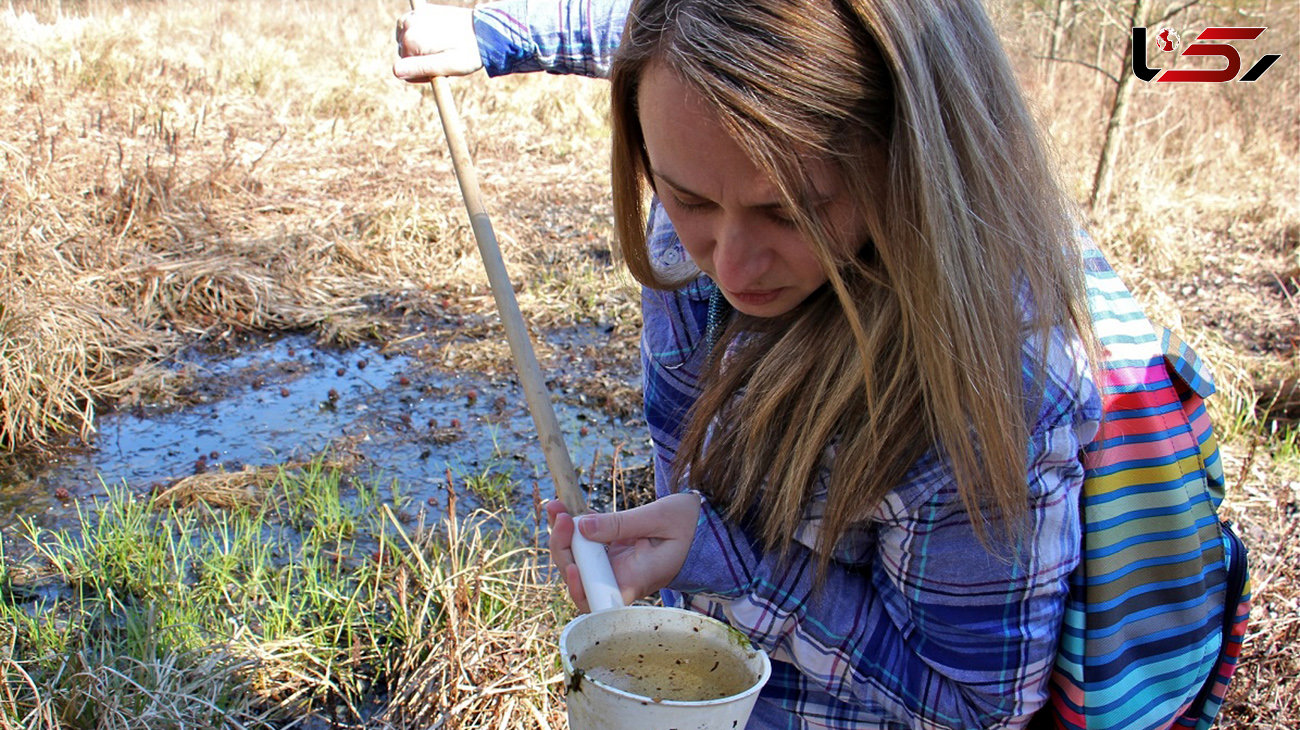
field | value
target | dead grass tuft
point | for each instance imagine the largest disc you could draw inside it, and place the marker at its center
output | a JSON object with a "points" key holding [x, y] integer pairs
{"points": [[221, 489], [487, 664], [61, 354], [246, 487]]}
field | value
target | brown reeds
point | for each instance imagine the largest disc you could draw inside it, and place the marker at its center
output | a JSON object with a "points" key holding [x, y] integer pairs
{"points": [[220, 489]]}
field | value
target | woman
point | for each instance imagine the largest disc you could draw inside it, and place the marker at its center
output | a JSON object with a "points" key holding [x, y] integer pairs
{"points": [[864, 327]]}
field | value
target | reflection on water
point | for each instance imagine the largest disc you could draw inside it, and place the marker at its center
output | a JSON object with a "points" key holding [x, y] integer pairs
{"points": [[287, 400]]}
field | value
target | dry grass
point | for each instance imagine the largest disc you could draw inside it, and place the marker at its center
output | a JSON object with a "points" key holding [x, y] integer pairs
{"points": [[231, 489], [59, 355], [175, 171], [178, 172], [1263, 505]]}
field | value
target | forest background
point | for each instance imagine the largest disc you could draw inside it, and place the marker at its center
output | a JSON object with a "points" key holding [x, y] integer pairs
{"points": [[177, 173]]}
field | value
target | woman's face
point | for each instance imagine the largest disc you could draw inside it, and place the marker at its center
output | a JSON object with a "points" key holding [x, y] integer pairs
{"points": [[728, 214]]}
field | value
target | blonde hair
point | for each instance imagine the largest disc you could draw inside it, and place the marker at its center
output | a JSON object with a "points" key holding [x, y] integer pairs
{"points": [[916, 105]]}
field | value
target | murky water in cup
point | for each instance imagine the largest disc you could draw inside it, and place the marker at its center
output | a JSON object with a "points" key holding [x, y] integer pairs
{"points": [[648, 668]]}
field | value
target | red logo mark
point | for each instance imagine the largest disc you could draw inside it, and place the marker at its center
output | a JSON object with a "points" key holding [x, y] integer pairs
{"points": [[1167, 40]]}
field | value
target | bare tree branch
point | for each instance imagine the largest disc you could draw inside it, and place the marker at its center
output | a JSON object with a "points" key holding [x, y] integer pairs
{"points": [[1171, 13], [1085, 64], [1109, 18]]}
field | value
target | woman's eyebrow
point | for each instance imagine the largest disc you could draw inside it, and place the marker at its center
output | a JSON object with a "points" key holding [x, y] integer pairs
{"points": [[673, 183], [816, 201]]}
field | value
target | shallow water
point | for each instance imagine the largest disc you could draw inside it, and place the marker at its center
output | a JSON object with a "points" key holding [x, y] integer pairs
{"points": [[285, 399]]}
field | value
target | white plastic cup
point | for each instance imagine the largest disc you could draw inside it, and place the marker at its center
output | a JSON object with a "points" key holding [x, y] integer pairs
{"points": [[650, 667]]}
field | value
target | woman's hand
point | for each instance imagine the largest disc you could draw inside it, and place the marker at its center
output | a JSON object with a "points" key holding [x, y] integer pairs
{"points": [[647, 545], [436, 40]]}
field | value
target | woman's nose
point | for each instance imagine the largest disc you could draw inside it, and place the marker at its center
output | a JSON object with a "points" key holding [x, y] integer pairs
{"points": [[739, 257]]}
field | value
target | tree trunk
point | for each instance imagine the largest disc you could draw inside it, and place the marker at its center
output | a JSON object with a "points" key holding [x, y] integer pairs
{"points": [[1057, 38], [1115, 128]]}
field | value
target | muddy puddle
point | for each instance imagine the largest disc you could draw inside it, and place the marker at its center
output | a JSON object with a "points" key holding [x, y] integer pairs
{"points": [[275, 401]]}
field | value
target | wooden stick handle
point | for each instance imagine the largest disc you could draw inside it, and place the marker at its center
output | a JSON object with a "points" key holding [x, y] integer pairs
{"points": [[530, 373]]}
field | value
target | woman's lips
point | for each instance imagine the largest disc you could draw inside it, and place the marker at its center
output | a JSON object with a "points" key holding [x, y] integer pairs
{"points": [[755, 298]]}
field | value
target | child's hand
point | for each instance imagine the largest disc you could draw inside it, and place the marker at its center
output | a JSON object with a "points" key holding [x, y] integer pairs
{"points": [[647, 545], [436, 40]]}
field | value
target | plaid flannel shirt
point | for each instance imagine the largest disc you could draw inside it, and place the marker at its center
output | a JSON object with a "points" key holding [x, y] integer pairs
{"points": [[916, 626]]}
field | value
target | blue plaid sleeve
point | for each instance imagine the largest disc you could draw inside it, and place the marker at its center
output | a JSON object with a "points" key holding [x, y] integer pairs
{"points": [[558, 36]]}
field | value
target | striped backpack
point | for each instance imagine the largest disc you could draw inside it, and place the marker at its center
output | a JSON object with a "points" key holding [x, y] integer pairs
{"points": [[1158, 605]]}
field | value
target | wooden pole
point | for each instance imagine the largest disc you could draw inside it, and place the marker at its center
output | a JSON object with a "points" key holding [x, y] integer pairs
{"points": [[521, 347]]}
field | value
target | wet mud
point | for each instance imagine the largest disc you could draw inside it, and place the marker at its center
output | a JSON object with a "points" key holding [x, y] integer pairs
{"points": [[390, 413]]}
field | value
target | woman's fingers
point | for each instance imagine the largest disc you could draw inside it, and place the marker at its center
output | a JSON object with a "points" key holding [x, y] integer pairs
{"points": [[554, 508], [561, 539], [561, 544], [647, 545], [436, 40], [573, 580], [423, 68], [670, 518]]}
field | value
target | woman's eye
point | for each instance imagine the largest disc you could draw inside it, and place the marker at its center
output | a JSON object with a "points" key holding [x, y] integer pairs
{"points": [[782, 218], [690, 204]]}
